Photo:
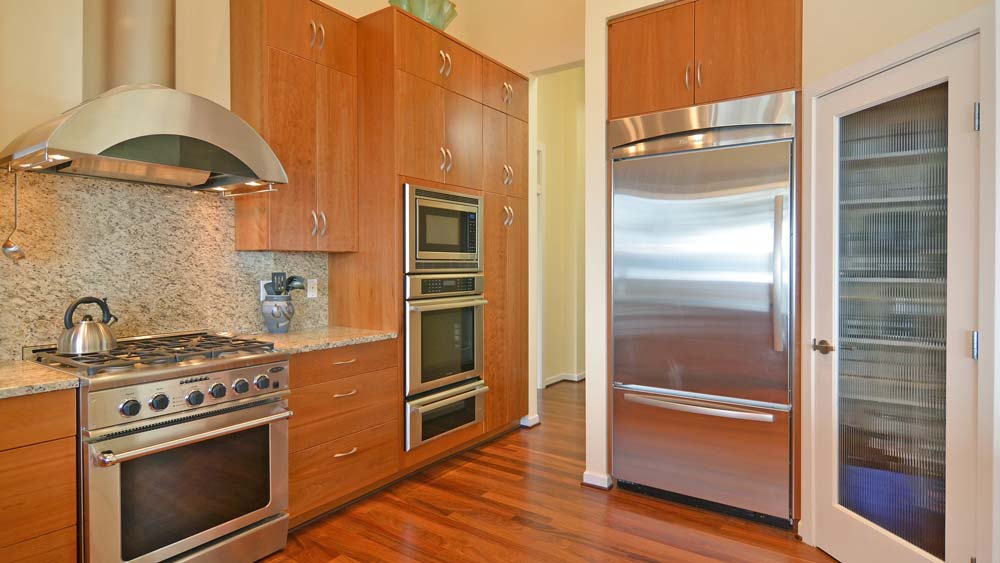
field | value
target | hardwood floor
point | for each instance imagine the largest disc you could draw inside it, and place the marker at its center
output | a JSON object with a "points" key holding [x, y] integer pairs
{"points": [[519, 498]]}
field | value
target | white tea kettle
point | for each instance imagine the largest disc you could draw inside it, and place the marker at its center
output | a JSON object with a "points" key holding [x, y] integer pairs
{"points": [[88, 336]]}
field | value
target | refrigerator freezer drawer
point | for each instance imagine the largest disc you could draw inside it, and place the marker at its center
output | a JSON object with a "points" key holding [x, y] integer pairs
{"points": [[724, 453]]}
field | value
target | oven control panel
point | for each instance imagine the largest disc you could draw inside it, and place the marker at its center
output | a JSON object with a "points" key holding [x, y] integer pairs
{"points": [[110, 407], [443, 285]]}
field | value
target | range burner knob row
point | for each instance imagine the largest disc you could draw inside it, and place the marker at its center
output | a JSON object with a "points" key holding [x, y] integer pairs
{"points": [[159, 402], [262, 381], [195, 398], [241, 385], [217, 391], [130, 407]]}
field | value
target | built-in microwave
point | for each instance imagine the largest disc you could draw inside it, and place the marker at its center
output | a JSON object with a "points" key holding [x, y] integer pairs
{"points": [[443, 231]]}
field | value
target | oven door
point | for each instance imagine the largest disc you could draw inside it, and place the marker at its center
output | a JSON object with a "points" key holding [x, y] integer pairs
{"points": [[433, 416], [155, 492], [444, 342]]}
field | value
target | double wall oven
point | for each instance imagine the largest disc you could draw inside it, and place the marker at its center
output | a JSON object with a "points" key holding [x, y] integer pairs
{"points": [[444, 314]]}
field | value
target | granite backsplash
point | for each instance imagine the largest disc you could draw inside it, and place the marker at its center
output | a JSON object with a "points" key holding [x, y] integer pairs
{"points": [[162, 256]]}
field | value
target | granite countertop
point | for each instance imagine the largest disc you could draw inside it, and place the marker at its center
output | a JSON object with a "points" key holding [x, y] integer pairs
{"points": [[27, 378], [309, 340]]}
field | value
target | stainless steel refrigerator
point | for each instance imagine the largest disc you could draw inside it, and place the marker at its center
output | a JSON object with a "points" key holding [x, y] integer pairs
{"points": [[702, 298]]}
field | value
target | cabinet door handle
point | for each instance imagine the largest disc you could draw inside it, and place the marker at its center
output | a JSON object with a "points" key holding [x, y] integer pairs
{"points": [[510, 93], [322, 216], [505, 176], [444, 159], [447, 57], [315, 228], [511, 182], [444, 62], [451, 160], [510, 215], [351, 393], [322, 36], [687, 77], [698, 74], [312, 33], [345, 362], [353, 451]]}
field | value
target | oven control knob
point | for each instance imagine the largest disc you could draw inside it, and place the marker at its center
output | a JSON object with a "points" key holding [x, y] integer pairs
{"points": [[130, 407], [195, 398], [241, 385], [159, 402], [262, 382], [217, 391]]}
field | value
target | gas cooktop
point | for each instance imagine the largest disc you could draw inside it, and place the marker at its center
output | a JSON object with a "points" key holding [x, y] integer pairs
{"points": [[150, 354]]}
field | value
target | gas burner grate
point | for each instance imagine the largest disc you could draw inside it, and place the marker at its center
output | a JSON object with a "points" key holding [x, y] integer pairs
{"points": [[159, 350]]}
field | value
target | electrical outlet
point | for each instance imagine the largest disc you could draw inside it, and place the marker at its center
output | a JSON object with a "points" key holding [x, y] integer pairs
{"points": [[312, 289], [263, 293]]}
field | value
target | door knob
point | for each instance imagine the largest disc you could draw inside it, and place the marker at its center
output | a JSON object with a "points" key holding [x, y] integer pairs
{"points": [[823, 347]]}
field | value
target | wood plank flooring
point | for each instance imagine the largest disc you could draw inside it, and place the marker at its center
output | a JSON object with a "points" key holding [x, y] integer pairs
{"points": [[519, 498]]}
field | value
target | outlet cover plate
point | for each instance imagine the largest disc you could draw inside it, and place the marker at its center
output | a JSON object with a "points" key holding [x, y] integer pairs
{"points": [[312, 288]]}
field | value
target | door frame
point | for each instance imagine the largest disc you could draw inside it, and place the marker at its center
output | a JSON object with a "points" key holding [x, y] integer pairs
{"points": [[980, 21]]}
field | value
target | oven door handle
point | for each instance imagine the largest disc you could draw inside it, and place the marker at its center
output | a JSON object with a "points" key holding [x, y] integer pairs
{"points": [[430, 407], [441, 305], [108, 458]]}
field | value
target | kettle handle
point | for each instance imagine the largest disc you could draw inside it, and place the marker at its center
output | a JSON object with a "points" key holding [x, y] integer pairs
{"points": [[105, 311]]}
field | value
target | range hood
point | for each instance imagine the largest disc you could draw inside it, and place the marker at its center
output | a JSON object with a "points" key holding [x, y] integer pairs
{"points": [[151, 134]]}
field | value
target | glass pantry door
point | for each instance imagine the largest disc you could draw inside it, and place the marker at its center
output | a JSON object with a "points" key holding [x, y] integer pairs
{"points": [[896, 192]]}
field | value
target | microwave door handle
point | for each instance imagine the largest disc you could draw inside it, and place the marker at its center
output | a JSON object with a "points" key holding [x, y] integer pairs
{"points": [[108, 458], [421, 307], [430, 407]]}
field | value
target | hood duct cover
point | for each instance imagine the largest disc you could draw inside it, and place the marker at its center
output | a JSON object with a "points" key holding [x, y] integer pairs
{"points": [[151, 134]]}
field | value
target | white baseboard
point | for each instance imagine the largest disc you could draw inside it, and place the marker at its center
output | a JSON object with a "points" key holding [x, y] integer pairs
{"points": [[531, 420], [564, 377], [600, 480]]}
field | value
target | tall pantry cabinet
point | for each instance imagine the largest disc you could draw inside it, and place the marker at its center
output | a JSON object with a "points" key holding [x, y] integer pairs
{"points": [[294, 75]]}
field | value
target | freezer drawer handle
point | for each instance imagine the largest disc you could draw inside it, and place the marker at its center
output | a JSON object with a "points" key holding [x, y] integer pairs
{"points": [[694, 409]]}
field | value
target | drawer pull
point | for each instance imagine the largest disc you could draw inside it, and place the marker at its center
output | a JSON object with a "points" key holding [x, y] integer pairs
{"points": [[342, 395], [345, 362], [353, 451]]}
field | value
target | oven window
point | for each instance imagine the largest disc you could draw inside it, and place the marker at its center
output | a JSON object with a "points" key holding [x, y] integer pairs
{"points": [[172, 495], [447, 343], [450, 417], [446, 230]]}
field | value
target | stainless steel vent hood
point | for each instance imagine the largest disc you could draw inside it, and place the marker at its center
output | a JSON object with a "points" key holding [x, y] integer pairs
{"points": [[151, 134]]}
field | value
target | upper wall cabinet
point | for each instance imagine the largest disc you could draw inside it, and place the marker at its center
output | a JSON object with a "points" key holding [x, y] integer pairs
{"points": [[294, 66], [702, 51], [504, 90], [424, 52]]}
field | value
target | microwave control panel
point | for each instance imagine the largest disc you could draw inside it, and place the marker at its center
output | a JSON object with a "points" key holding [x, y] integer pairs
{"points": [[450, 285]]}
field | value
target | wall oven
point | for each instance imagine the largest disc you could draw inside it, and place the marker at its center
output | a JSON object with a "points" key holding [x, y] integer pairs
{"points": [[443, 232], [437, 414], [157, 490]]}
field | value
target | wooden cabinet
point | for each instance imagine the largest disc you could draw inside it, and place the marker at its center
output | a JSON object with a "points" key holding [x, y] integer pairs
{"points": [[702, 51], [297, 87], [651, 62], [505, 154], [425, 52], [440, 133], [38, 492], [505, 237], [334, 409], [745, 47], [505, 90], [322, 366]]}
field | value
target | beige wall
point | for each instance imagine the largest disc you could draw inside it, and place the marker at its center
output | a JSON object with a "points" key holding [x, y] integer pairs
{"points": [[837, 34], [561, 300], [202, 64]]}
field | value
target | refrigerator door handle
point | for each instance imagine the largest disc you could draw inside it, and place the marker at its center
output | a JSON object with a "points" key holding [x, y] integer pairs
{"points": [[695, 409], [777, 259]]}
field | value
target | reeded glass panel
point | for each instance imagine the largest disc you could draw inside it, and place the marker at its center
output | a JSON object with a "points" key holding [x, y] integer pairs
{"points": [[893, 266]]}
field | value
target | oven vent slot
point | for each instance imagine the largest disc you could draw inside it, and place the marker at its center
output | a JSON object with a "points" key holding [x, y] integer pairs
{"points": [[448, 197], [176, 421]]}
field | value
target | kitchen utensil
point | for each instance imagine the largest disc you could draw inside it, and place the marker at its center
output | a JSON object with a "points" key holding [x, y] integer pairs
{"points": [[88, 336], [295, 282], [279, 279], [269, 288], [11, 249]]}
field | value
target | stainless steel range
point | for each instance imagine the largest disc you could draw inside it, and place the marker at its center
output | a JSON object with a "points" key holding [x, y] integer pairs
{"points": [[183, 448]]}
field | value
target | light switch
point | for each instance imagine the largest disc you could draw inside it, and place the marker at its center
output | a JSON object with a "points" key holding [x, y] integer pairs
{"points": [[312, 288]]}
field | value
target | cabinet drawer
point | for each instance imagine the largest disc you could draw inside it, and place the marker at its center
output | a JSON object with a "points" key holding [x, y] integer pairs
{"points": [[56, 547], [20, 425], [331, 410], [321, 366], [322, 474], [38, 491]]}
